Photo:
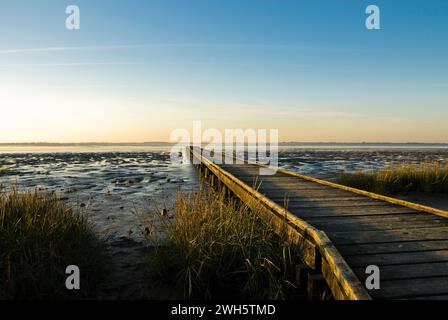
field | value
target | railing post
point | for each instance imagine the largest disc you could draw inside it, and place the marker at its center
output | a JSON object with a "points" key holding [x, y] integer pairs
{"points": [[302, 271], [316, 286]]}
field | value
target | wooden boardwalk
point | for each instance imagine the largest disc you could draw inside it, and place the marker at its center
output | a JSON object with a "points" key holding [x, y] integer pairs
{"points": [[344, 230]]}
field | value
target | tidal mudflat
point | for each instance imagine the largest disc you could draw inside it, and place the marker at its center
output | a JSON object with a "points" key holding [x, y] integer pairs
{"points": [[117, 190], [329, 163]]}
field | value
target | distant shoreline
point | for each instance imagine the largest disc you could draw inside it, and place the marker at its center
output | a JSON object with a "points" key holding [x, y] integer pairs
{"points": [[292, 143]]}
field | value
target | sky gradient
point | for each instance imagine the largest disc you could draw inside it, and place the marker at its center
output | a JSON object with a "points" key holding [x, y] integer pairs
{"points": [[139, 69]]}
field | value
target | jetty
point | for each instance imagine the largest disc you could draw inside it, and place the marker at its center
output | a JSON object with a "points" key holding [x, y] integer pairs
{"points": [[342, 232]]}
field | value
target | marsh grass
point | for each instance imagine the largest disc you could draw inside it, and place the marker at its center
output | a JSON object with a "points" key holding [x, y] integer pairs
{"points": [[217, 248], [39, 237], [4, 170], [426, 177]]}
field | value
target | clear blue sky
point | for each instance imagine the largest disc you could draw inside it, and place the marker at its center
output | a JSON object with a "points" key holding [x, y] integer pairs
{"points": [[138, 69]]}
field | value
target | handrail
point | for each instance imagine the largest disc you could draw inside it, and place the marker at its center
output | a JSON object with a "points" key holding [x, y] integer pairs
{"points": [[336, 268]]}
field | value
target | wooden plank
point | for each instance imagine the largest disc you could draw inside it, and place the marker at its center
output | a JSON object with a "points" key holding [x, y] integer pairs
{"points": [[251, 170], [298, 198], [440, 297], [279, 179], [306, 193], [394, 247], [333, 212], [286, 179], [340, 238], [366, 223], [373, 218], [387, 259], [292, 203], [383, 226], [229, 167], [300, 190], [377, 209], [323, 213], [281, 183], [407, 271], [244, 169], [411, 288]]}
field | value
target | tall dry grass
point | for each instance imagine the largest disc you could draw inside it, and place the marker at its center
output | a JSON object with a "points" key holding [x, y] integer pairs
{"points": [[39, 237], [218, 248], [426, 177]]}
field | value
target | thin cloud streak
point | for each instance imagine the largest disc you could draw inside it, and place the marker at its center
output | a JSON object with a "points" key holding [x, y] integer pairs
{"points": [[179, 45], [75, 64], [152, 63]]}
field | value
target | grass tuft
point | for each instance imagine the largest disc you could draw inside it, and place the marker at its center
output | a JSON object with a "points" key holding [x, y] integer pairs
{"points": [[218, 249], [427, 177], [39, 237]]}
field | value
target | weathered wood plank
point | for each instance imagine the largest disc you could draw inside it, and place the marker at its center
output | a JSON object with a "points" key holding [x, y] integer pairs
{"points": [[350, 211], [369, 223], [394, 247], [372, 218], [441, 297], [316, 194], [357, 237], [278, 179], [408, 271], [385, 259], [299, 199], [260, 184], [411, 288], [292, 203], [380, 226]]}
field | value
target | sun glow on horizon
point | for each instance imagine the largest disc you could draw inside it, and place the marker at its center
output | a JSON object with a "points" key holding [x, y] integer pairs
{"points": [[315, 75], [37, 115]]}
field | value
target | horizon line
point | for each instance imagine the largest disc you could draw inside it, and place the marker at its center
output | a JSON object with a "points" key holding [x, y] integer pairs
{"points": [[205, 142]]}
